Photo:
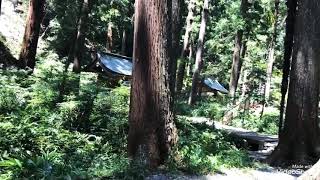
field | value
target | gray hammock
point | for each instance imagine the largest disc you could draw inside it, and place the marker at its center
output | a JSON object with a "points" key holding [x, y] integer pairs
{"points": [[116, 64], [123, 66], [215, 85]]}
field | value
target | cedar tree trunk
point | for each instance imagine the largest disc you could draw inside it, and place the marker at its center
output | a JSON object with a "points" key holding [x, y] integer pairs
{"points": [[109, 45], [299, 141], [236, 57], [186, 43], [31, 34], [191, 62], [76, 50], [236, 65], [199, 60], [176, 29], [151, 128], [271, 54], [288, 46], [124, 42], [244, 84]]}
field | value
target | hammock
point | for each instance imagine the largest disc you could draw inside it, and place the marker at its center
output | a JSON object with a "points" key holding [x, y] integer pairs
{"points": [[215, 85], [116, 64]]}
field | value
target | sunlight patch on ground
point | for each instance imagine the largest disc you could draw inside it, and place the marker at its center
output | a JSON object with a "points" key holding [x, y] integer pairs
{"points": [[12, 26]]}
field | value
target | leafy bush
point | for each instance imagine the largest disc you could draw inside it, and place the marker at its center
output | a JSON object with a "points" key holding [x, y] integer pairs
{"points": [[9, 101], [40, 133], [202, 149], [211, 107], [267, 124]]}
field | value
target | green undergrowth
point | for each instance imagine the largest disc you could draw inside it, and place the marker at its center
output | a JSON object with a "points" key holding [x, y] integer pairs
{"points": [[202, 149], [60, 125], [216, 107], [46, 134], [208, 106], [252, 120]]}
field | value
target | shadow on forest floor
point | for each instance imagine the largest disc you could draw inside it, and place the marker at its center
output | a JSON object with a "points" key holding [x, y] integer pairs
{"points": [[6, 58]]}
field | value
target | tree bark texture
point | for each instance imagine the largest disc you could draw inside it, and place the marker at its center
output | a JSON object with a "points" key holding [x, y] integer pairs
{"points": [[109, 45], [244, 84], [191, 61], [236, 65], [151, 128], [199, 60], [186, 44], [31, 35], [299, 141], [236, 57], [124, 42], [176, 29], [288, 46], [78, 46], [271, 54]]}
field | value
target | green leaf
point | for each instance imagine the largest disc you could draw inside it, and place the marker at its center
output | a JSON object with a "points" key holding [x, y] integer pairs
{"points": [[11, 162]]}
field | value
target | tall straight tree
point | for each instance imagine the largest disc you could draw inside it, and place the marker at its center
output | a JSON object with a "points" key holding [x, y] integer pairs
{"points": [[151, 128], [176, 29], [124, 42], [236, 57], [199, 60], [0, 6], [109, 45], [271, 53], [190, 60], [76, 51], [299, 141], [186, 44], [31, 34], [288, 46]]}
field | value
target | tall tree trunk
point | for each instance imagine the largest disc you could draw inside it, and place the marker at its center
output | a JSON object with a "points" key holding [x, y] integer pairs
{"points": [[190, 62], [124, 42], [271, 59], [31, 35], [0, 6], [299, 141], [199, 60], [186, 42], [109, 45], [236, 57], [288, 46], [236, 65], [176, 29], [271, 54], [151, 128], [76, 51], [244, 84]]}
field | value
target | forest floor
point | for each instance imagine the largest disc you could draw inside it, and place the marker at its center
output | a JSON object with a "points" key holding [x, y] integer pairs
{"points": [[263, 173], [268, 142]]}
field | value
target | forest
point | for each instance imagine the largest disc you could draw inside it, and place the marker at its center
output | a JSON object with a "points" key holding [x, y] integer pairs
{"points": [[159, 89]]}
